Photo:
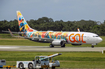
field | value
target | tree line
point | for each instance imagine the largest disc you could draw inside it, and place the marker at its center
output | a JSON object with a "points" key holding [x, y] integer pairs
{"points": [[45, 23]]}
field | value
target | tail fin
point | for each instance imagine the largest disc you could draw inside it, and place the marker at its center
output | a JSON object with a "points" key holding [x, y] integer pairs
{"points": [[23, 26]]}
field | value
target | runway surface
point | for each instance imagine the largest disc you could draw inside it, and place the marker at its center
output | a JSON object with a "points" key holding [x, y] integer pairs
{"points": [[48, 49]]}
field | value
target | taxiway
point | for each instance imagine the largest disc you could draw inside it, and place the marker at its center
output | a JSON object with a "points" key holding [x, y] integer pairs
{"points": [[48, 49]]}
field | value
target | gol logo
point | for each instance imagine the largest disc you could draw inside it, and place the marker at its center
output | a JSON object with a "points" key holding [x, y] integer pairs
{"points": [[73, 39]]}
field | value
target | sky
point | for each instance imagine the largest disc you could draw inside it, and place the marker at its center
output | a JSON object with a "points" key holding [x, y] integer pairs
{"points": [[66, 10]]}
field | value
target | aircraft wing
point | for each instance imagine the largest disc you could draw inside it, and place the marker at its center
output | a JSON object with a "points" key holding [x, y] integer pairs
{"points": [[44, 39], [11, 33], [40, 39], [78, 29]]}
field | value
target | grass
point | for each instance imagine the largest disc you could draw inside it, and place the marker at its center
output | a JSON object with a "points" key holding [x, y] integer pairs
{"points": [[67, 59], [3, 35], [22, 42], [7, 39]]}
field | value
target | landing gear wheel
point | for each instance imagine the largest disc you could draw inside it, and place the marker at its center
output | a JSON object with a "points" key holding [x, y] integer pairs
{"points": [[30, 66], [21, 65], [62, 44], [53, 67], [92, 46], [51, 45]]}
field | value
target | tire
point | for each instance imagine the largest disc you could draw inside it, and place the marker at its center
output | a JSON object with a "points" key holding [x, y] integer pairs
{"points": [[92, 46], [62, 44], [53, 67], [30, 66], [21, 65], [51, 45]]}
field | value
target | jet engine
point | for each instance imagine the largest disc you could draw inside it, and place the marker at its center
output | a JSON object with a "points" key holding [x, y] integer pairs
{"points": [[57, 43]]}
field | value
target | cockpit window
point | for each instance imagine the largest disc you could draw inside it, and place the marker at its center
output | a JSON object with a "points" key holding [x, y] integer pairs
{"points": [[96, 36]]}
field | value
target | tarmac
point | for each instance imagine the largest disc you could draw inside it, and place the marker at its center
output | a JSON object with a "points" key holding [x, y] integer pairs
{"points": [[48, 49]]}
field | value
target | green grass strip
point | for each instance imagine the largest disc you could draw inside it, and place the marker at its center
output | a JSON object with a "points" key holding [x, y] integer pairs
{"points": [[67, 59]]}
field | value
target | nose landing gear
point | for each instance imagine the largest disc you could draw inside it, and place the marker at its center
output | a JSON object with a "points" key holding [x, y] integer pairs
{"points": [[92, 46]]}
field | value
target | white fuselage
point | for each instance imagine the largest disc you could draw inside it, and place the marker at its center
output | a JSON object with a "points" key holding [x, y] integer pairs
{"points": [[83, 38], [69, 37]]}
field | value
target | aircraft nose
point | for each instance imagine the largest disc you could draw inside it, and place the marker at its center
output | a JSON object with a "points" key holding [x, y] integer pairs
{"points": [[99, 39]]}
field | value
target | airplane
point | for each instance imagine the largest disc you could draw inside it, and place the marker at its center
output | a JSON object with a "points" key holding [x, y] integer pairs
{"points": [[56, 38]]}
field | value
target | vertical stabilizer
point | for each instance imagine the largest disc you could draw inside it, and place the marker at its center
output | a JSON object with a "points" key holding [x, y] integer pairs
{"points": [[23, 26]]}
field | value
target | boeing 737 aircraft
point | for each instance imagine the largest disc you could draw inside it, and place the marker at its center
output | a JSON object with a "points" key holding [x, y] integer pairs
{"points": [[54, 37]]}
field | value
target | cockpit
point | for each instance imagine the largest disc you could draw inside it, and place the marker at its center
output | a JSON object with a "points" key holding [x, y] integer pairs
{"points": [[96, 36]]}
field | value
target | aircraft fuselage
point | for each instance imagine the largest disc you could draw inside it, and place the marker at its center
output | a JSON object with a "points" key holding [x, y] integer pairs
{"points": [[68, 37]]}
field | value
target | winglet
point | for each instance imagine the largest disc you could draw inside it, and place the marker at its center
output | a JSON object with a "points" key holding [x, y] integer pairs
{"points": [[78, 29], [10, 32], [15, 32]]}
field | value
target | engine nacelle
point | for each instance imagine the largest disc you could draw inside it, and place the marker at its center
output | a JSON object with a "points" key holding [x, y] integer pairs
{"points": [[57, 42]]}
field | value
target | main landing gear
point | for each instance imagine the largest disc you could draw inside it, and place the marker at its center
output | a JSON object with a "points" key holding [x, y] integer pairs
{"points": [[51, 45], [63, 45]]}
